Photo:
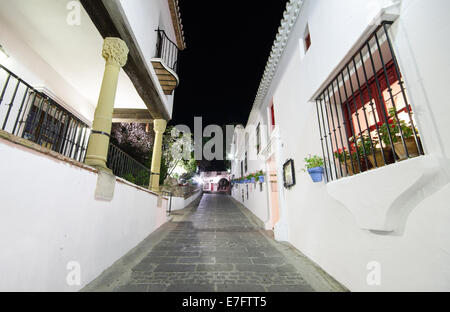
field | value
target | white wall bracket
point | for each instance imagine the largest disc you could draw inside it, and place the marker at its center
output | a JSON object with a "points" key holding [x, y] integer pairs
{"points": [[382, 199]]}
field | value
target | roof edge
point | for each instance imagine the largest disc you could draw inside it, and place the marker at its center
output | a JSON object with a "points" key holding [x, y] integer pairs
{"points": [[177, 23], [290, 16]]}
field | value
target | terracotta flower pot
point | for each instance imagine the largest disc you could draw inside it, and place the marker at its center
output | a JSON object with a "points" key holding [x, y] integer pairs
{"points": [[350, 169], [388, 155], [357, 168], [411, 145]]}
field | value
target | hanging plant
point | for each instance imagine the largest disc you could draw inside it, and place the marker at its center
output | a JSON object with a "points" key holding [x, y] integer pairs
{"points": [[314, 166], [260, 175]]}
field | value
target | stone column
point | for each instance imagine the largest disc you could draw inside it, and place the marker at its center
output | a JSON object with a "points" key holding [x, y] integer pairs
{"points": [[160, 128], [115, 52]]}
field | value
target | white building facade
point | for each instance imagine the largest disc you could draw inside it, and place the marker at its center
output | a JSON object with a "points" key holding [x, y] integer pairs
{"points": [[58, 215], [343, 72]]}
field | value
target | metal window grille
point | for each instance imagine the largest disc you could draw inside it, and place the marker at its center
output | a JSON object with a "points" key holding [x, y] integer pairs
{"points": [[32, 115], [365, 119]]}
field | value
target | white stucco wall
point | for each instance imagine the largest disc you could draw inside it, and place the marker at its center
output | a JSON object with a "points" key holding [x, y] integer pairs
{"points": [[67, 59], [179, 203], [257, 201], [415, 257], [33, 69], [49, 217]]}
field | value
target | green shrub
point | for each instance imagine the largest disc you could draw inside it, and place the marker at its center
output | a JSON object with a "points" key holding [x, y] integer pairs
{"points": [[143, 177], [130, 178]]}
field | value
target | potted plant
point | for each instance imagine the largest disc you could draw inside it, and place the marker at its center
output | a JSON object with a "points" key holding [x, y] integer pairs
{"points": [[260, 176], [367, 146], [350, 159], [394, 130], [410, 142], [314, 166], [343, 156]]}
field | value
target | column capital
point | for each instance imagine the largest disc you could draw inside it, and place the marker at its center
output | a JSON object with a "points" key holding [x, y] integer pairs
{"points": [[115, 51], [159, 125]]}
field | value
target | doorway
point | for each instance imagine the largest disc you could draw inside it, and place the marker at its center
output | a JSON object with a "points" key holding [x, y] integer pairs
{"points": [[273, 193]]}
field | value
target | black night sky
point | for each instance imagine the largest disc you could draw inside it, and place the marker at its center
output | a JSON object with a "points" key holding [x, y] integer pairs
{"points": [[228, 45]]}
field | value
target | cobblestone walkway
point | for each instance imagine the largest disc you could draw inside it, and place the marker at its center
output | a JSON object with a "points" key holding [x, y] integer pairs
{"points": [[216, 248]]}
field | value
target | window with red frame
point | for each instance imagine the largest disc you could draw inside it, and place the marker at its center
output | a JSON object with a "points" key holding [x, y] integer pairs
{"points": [[272, 116], [365, 119], [307, 39], [374, 106], [307, 42]]}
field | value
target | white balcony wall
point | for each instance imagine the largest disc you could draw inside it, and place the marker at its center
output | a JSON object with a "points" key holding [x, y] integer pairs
{"points": [[36, 71], [257, 201], [49, 218], [414, 257], [145, 17], [180, 203], [65, 59]]}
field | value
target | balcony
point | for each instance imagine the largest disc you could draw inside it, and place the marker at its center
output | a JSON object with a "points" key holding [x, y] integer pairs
{"points": [[166, 63], [28, 116]]}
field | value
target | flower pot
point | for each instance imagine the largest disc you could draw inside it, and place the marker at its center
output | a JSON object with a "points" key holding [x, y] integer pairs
{"points": [[411, 145], [261, 179], [316, 174], [389, 157], [350, 170], [355, 169], [253, 180]]}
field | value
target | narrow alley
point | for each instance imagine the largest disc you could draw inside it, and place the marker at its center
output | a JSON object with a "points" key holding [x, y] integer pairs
{"points": [[215, 246]]}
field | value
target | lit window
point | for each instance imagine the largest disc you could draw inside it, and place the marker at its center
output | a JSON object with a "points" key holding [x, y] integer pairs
{"points": [[365, 119]]}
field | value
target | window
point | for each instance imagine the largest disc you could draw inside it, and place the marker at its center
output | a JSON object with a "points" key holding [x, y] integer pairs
{"points": [[365, 119], [33, 115], [258, 138], [307, 39], [51, 126], [272, 116], [246, 162]]}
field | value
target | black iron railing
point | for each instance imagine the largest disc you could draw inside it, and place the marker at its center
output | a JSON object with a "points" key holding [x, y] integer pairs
{"points": [[167, 50], [124, 166], [365, 119], [30, 114]]}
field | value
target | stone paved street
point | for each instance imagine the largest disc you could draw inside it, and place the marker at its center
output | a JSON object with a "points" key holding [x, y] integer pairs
{"points": [[215, 248]]}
